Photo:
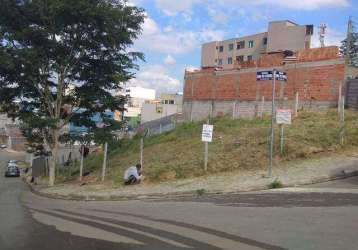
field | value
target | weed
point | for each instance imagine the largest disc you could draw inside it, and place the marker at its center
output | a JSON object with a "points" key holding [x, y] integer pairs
{"points": [[200, 192], [276, 184]]}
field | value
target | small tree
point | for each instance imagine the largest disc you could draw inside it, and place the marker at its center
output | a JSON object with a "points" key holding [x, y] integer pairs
{"points": [[59, 57], [351, 50]]}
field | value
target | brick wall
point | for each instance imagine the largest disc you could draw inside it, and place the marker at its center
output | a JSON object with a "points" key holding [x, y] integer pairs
{"points": [[316, 76]]}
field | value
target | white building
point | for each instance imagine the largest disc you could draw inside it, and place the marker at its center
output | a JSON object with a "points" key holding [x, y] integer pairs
{"points": [[167, 105], [137, 96]]}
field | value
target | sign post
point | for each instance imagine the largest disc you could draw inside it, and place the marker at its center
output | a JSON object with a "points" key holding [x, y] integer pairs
{"points": [[206, 137], [266, 76], [283, 116]]}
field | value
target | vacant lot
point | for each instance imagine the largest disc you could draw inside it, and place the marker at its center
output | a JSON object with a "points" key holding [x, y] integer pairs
{"points": [[237, 145]]}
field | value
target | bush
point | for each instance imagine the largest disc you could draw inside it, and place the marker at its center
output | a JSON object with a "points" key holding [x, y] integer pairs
{"points": [[276, 184]]}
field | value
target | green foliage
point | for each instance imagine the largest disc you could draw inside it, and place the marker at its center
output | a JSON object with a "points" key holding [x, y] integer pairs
{"points": [[276, 184], [59, 60], [352, 51], [200, 192]]}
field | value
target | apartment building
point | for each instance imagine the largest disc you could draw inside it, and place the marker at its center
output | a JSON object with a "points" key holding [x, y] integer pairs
{"points": [[280, 36], [168, 104]]}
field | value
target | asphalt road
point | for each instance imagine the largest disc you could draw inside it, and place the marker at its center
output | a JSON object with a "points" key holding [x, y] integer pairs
{"points": [[325, 218]]}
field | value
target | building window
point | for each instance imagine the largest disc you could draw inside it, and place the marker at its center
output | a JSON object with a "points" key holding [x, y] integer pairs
{"points": [[220, 62], [229, 60], [265, 40], [241, 45], [231, 46], [251, 44], [221, 49], [239, 59], [249, 58], [171, 101]]}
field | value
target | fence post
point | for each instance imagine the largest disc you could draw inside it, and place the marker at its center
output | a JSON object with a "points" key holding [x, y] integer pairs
{"points": [[104, 161], [339, 99], [141, 151], [341, 122], [234, 110], [262, 106], [81, 165], [160, 128], [296, 104]]}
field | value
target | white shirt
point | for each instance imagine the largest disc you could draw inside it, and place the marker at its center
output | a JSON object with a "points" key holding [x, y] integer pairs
{"points": [[131, 171]]}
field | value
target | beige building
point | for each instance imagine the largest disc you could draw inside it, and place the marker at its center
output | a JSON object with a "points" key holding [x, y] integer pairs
{"points": [[281, 36], [168, 104]]}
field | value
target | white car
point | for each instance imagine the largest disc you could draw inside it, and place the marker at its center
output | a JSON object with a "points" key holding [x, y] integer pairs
{"points": [[2, 146]]}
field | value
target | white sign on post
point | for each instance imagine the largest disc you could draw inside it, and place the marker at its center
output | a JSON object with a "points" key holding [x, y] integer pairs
{"points": [[283, 116], [207, 134]]}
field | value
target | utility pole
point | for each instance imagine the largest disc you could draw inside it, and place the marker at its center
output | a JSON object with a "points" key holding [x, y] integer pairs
{"points": [[322, 34], [348, 48]]}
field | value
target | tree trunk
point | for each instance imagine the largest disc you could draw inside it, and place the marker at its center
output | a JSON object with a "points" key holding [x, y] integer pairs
{"points": [[54, 151]]}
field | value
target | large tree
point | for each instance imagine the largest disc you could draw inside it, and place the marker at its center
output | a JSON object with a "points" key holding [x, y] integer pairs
{"points": [[60, 60]]}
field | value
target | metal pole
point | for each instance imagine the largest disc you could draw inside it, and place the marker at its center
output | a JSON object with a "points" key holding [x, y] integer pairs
{"points": [[81, 166], [206, 151], [282, 139], [104, 161], [206, 156], [272, 122]]}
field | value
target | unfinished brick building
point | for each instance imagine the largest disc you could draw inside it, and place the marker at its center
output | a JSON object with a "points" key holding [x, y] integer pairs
{"points": [[315, 74]]}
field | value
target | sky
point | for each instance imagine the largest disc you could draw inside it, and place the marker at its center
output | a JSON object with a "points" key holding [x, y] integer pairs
{"points": [[174, 30]]}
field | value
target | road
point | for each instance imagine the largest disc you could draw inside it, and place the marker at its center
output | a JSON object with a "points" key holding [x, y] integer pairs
{"points": [[325, 218]]}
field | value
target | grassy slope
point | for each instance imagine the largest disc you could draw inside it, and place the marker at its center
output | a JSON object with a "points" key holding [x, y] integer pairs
{"points": [[237, 145]]}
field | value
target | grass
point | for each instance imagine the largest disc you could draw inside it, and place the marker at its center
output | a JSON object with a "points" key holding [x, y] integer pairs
{"points": [[237, 145]]}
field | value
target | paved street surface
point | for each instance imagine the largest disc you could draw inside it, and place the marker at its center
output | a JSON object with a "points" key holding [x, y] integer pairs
{"points": [[290, 219]]}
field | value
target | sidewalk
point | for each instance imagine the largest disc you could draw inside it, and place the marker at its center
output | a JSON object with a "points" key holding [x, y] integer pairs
{"points": [[290, 174]]}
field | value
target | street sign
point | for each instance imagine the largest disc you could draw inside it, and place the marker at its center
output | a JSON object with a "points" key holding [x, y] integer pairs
{"points": [[264, 75], [268, 75], [281, 76], [207, 133], [283, 116]]}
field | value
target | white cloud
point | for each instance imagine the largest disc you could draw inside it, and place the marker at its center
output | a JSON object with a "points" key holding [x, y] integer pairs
{"points": [[169, 60], [191, 68], [310, 4], [156, 77], [171, 41], [171, 8]]}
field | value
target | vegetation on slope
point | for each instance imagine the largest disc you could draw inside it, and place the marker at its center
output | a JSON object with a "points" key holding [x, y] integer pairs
{"points": [[237, 145]]}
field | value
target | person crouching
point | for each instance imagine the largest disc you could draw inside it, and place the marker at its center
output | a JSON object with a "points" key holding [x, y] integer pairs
{"points": [[133, 175]]}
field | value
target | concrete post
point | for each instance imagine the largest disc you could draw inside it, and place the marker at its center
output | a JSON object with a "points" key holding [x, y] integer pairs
{"points": [[104, 161], [262, 109], [296, 104]]}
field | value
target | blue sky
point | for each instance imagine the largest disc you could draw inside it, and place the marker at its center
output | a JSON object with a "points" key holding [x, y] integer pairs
{"points": [[175, 29]]}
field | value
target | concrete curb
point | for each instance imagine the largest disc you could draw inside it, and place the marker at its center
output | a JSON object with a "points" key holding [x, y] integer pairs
{"points": [[178, 195]]}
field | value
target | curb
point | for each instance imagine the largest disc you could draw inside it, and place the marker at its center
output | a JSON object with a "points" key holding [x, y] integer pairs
{"points": [[178, 195]]}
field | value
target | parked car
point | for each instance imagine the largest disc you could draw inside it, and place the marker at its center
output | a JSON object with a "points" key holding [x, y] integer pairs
{"points": [[2, 146], [12, 171]]}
